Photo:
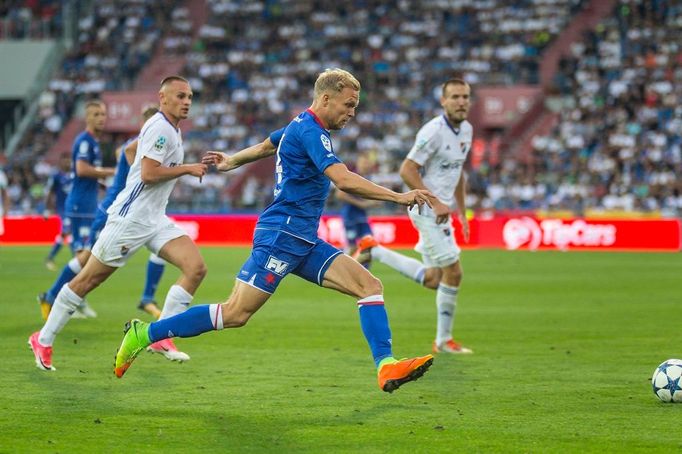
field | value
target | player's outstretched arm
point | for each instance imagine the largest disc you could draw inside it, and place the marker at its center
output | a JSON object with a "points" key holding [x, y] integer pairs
{"points": [[153, 172], [353, 183], [360, 203], [460, 197], [224, 162]]}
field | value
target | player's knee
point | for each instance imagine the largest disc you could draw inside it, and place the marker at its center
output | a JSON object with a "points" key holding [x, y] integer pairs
{"points": [[371, 286], [432, 277], [197, 273], [233, 317], [453, 275]]}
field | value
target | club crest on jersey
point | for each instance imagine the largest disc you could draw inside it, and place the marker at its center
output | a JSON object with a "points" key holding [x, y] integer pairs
{"points": [[326, 143], [124, 250], [465, 147], [277, 266], [160, 143]]}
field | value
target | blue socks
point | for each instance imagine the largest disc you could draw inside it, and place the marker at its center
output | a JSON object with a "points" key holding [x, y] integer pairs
{"points": [[194, 321], [374, 323], [154, 273], [56, 247]]}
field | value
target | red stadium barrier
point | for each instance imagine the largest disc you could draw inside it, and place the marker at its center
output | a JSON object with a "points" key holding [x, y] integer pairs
{"points": [[498, 231]]}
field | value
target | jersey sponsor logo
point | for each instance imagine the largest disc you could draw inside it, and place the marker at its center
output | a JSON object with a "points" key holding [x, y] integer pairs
{"points": [[326, 143], [160, 144], [277, 266]]}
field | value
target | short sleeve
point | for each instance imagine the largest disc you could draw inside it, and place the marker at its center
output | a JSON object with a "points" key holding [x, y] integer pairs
{"points": [[425, 145], [276, 137], [155, 142], [83, 151], [318, 146]]}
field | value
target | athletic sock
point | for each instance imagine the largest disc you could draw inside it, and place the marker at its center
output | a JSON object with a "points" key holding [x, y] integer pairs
{"points": [[407, 266], [64, 306], [374, 323], [446, 303], [56, 247], [68, 272], [155, 268], [194, 321], [177, 301]]}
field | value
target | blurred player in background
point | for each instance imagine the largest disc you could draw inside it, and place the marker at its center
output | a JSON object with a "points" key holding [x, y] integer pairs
{"points": [[137, 218], [81, 203], [435, 162], [57, 189], [285, 240], [354, 209]]}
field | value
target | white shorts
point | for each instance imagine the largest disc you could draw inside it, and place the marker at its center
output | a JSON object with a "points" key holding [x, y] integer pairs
{"points": [[437, 243], [122, 237]]}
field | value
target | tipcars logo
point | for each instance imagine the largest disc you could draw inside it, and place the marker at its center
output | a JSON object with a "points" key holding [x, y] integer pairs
{"points": [[531, 233]]}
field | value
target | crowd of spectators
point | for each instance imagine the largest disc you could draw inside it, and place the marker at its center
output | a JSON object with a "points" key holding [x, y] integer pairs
{"points": [[115, 40], [618, 143], [253, 64]]}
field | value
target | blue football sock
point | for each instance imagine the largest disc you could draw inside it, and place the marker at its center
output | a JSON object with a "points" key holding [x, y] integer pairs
{"points": [[192, 322], [65, 276], [56, 247], [154, 273], [374, 323]]}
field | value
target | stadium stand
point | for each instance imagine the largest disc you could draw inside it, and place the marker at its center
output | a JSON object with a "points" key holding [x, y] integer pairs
{"points": [[606, 134]]}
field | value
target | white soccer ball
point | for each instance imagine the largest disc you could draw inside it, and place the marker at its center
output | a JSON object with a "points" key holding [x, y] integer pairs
{"points": [[666, 381]]}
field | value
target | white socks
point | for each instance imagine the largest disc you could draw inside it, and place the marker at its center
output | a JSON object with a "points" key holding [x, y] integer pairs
{"points": [[407, 266], [177, 300], [446, 302], [63, 307]]}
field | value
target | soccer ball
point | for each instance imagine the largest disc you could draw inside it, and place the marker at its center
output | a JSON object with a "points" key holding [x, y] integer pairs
{"points": [[666, 381]]}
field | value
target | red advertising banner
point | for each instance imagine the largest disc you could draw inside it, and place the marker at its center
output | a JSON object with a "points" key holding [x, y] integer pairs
{"points": [[498, 107], [124, 109], [508, 232]]}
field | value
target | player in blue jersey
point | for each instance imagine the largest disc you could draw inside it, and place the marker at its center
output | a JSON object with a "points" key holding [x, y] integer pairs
{"points": [[354, 209], [57, 188], [81, 203], [285, 240], [155, 265]]}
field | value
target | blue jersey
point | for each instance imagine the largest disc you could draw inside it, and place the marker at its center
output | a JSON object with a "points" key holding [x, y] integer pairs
{"points": [[82, 200], [301, 187], [120, 177], [352, 214], [59, 184]]}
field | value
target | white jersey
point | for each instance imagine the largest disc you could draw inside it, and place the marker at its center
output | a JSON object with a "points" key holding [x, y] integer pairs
{"points": [[441, 150], [146, 204]]}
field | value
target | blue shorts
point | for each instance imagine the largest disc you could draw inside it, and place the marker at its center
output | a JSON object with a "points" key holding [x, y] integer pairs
{"points": [[356, 230], [276, 254], [97, 226], [80, 233]]}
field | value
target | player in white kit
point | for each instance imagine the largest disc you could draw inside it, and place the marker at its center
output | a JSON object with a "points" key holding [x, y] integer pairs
{"points": [[435, 163], [138, 218]]}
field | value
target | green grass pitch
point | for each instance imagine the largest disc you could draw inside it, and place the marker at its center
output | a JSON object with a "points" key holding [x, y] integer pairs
{"points": [[565, 345]]}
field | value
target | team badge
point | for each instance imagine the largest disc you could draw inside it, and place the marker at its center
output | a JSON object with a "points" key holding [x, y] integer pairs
{"points": [[124, 250], [326, 143], [160, 144], [465, 147]]}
